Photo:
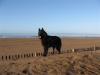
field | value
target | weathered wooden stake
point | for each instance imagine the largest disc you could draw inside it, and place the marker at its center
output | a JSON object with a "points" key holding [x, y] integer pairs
{"points": [[6, 57], [9, 57], [2, 57], [35, 54], [32, 54], [73, 50], [94, 48]]}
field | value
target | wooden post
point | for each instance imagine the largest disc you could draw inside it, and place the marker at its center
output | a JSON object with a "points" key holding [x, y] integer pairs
{"points": [[12, 57], [32, 54], [35, 54], [29, 55], [9, 57], [94, 48], [21, 56], [24, 55], [66, 51], [6, 57], [41, 54], [2, 57], [73, 50], [15, 56], [18, 56]]}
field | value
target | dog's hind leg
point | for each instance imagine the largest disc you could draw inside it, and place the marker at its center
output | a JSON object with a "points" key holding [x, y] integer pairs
{"points": [[53, 50], [58, 49]]}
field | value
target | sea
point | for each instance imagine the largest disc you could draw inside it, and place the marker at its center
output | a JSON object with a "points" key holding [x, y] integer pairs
{"points": [[35, 35]]}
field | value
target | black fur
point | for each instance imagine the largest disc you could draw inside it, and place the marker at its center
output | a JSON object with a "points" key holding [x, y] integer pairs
{"points": [[49, 41]]}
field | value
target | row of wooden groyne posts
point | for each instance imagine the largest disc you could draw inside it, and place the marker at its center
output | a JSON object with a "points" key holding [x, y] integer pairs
{"points": [[19, 56]]}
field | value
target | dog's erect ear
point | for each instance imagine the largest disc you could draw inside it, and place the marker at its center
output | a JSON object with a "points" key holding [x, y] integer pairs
{"points": [[42, 29], [39, 29]]}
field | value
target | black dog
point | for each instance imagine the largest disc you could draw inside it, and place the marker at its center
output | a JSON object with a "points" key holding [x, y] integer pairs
{"points": [[49, 41]]}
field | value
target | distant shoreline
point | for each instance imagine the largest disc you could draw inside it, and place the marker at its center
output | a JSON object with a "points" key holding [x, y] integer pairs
{"points": [[59, 36], [35, 35]]}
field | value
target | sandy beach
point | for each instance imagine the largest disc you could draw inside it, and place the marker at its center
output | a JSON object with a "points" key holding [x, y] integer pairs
{"points": [[80, 63], [29, 45]]}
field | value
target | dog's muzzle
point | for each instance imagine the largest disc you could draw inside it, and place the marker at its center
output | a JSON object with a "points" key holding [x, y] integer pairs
{"points": [[39, 37]]}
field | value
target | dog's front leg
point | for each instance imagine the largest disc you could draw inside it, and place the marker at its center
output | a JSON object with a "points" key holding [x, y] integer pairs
{"points": [[45, 51]]}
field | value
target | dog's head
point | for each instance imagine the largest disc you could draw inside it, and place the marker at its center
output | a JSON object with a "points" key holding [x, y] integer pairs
{"points": [[41, 33]]}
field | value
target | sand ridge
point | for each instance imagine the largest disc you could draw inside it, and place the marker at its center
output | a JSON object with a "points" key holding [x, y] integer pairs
{"points": [[81, 63]]}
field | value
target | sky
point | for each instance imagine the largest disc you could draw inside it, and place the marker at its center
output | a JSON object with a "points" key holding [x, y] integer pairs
{"points": [[55, 16]]}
